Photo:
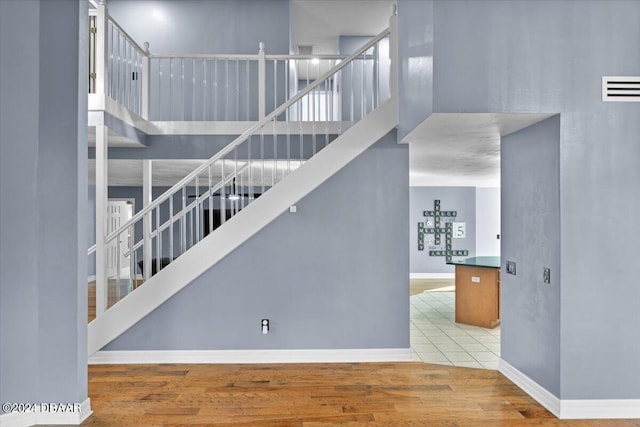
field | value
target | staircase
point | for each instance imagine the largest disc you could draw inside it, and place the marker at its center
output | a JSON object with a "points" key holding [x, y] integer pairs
{"points": [[254, 179]]}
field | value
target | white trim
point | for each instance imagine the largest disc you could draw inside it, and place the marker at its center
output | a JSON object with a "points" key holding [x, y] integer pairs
{"points": [[432, 275], [241, 227], [253, 356], [599, 408], [24, 419], [529, 386], [571, 409], [18, 419]]}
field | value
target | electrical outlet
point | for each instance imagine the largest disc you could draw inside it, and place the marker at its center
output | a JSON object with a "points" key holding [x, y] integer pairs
{"points": [[265, 326], [511, 267], [546, 275]]}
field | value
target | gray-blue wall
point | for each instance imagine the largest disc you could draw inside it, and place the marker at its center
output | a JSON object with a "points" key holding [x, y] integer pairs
{"points": [[549, 56], [333, 275], [460, 199], [43, 193], [415, 68], [206, 26], [530, 309]]}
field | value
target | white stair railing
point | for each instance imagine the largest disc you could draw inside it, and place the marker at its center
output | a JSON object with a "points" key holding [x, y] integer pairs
{"points": [[251, 164]]}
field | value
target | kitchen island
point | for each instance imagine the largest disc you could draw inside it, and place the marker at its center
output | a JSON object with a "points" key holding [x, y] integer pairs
{"points": [[478, 291]]}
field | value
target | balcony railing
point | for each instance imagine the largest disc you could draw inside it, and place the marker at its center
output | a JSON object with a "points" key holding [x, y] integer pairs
{"points": [[229, 88]]}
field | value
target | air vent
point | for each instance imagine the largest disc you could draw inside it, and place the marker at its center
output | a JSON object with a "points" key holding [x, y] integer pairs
{"points": [[621, 88]]}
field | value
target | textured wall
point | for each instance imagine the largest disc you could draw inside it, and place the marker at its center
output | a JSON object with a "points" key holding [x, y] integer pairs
{"points": [[415, 72], [43, 292], [549, 56], [530, 309], [206, 26]]}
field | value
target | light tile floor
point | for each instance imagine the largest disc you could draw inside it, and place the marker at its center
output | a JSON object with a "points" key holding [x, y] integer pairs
{"points": [[436, 338]]}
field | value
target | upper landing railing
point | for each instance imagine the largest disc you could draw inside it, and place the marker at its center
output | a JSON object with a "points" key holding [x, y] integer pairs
{"points": [[231, 88]]}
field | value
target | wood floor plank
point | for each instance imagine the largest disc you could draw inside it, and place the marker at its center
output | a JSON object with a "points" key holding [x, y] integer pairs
{"points": [[313, 395]]}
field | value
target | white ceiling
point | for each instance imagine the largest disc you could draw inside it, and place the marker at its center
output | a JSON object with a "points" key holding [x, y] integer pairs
{"points": [[461, 149], [320, 22], [115, 139]]}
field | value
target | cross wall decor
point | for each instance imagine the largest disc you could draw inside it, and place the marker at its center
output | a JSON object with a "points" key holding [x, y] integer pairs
{"points": [[434, 227]]}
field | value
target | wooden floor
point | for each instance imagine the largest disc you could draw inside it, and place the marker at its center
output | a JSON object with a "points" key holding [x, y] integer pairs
{"points": [[418, 286], [367, 394]]}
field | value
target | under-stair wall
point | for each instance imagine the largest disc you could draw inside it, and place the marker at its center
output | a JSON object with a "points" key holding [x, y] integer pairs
{"points": [[333, 275]]}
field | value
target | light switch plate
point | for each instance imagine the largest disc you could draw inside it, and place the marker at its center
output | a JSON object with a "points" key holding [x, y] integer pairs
{"points": [[475, 279], [293, 209], [511, 267]]}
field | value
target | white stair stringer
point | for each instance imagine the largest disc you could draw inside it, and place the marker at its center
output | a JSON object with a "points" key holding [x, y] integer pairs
{"points": [[242, 226]]}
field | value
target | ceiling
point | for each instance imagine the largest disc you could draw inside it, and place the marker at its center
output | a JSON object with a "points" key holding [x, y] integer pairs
{"points": [[321, 22], [115, 139], [462, 149]]}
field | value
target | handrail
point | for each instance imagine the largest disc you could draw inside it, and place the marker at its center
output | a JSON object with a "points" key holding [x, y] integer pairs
{"points": [[305, 57], [240, 139], [243, 57], [205, 56], [127, 36]]}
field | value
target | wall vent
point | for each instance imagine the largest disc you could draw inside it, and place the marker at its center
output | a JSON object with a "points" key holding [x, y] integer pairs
{"points": [[621, 88]]}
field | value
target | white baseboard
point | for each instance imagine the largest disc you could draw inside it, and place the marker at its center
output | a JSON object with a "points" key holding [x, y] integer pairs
{"points": [[568, 408], [18, 419], [599, 408], [432, 275], [25, 419], [253, 356], [529, 386]]}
